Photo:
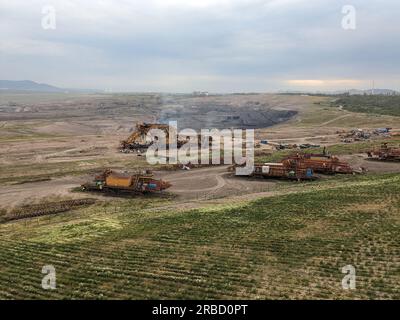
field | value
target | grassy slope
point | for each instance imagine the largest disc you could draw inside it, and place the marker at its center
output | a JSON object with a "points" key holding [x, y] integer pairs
{"points": [[321, 113], [290, 246], [387, 105]]}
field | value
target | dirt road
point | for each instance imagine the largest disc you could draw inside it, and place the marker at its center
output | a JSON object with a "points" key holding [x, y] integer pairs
{"points": [[212, 182], [205, 183], [33, 192], [191, 185], [372, 166]]}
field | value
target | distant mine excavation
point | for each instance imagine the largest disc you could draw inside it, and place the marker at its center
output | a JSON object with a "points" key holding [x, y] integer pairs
{"points": [[219, 116]]}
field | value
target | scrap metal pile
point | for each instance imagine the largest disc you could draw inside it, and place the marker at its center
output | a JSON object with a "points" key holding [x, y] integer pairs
{"points": [[361, 134], [122, 182], [385, 153], [322, 163], [287, 169], [302, 166]]}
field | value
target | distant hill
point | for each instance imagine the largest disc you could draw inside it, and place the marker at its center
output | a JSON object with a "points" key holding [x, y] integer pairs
{"points": [[27, 85]]}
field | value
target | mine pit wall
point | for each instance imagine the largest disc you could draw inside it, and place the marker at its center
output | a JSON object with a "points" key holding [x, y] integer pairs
{"points": [[224, 117]]}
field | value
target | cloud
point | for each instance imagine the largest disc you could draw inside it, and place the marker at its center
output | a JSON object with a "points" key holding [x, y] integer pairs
{"points": [[326, 84], [184, 45]]}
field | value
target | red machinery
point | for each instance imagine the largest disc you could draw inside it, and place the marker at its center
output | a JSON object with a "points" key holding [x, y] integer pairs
{"points": [[287, 169], [322, 163], [385, 153]]}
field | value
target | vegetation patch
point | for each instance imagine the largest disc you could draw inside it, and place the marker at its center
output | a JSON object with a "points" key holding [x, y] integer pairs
{"points": [[286, 246], [47, 208], [378, 104]]}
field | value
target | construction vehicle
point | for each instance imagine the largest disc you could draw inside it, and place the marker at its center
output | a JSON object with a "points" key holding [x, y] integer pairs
{"points": [[279, 146], [385, 153], [292, 171], [382, 130], [137, 141], [288, 170], [308, 146], [285, 146], [123, 182], [321, 163]]}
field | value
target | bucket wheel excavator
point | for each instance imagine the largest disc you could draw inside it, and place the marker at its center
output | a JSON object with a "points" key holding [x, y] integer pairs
{"points": [[137, 140]]}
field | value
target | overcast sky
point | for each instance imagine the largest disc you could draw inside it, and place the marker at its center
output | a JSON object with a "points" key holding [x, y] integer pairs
{"points": [[216, 46]]}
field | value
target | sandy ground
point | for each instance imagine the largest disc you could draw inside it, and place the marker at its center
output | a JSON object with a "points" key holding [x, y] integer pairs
{"points": [[196, 184], [204, 183], [88, 131], [372, 166], [27, 193], [213, 182]]}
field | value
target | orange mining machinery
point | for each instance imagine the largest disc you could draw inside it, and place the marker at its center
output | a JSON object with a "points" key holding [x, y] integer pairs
{"points": [[122, 182], [321, 163], [385, 153]]}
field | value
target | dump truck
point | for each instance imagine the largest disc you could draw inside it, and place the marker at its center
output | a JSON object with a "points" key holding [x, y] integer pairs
{"points": [[308, 146], [321, 163], [137, 140], [123, 182], [385, 153]]}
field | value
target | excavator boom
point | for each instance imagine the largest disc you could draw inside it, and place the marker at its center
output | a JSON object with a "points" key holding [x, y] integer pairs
{"points": [[137, 139]]}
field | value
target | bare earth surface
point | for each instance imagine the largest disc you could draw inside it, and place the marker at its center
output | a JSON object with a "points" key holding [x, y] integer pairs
{"points": [[196, 184], [50, 144], [290, 244]]}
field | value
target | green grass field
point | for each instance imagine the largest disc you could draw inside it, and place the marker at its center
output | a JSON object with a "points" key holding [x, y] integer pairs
{"points": [[287, 246], [378, 104]]}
